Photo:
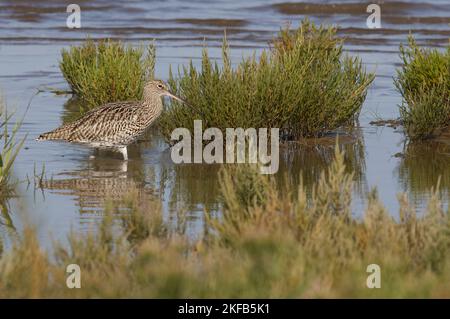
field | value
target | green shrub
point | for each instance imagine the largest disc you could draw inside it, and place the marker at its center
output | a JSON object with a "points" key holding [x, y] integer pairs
{"points": [[287, 245], [107, 71], [302, 85], [424, 83]]}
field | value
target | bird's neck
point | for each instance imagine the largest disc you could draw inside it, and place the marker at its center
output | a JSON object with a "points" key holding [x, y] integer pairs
{"points": [[153, 103], [152, 107]]}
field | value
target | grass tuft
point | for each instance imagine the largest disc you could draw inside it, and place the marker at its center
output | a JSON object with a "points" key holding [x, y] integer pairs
{"points": [[424, 83], [303, 84], [107, 71]]}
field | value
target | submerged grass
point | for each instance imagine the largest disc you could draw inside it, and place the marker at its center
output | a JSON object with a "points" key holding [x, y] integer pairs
{"points": [[424, 83], [267, 244], [303, 84], [107, 71]]}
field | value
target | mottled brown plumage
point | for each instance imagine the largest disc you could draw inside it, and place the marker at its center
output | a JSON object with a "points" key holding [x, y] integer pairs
{"points": [[115, 125]]}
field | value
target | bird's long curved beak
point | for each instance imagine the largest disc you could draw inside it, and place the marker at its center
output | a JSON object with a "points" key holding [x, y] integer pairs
{"points": [[177, 98], [184, 102]]}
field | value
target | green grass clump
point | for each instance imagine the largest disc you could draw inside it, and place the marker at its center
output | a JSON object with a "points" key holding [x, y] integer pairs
{"points": [[107, 71], [424, 83], [281, 244], [303, 84]]}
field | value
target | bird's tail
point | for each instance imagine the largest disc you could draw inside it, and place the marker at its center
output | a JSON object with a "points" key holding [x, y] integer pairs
{"points": [[58, 134]]}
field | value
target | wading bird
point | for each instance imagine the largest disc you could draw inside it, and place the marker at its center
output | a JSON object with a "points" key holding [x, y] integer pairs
{"points": [[116, 125]]}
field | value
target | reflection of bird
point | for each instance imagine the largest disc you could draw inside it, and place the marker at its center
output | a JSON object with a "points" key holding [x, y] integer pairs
{"points": [[115, 125], [102, 181], [92, 193]]}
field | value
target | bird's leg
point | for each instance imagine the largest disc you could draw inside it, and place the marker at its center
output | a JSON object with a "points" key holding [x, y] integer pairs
{"points": [[96, 153], [124, 152]]}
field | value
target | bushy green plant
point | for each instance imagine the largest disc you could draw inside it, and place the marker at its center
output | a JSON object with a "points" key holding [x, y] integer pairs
{"points": [[424, 83], [303, 85], [107, 71]]}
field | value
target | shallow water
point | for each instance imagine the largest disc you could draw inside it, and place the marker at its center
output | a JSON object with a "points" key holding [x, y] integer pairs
{"points": [[32, 35]]}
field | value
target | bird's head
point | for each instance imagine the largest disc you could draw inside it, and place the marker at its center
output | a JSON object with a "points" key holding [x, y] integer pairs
{"points": [[159, 88]]}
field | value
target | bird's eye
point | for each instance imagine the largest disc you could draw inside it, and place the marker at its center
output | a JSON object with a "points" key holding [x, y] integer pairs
{"points": [[160, 86]]}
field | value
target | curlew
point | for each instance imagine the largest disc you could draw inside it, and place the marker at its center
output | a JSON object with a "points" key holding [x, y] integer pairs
{"points": [[115, 125]]}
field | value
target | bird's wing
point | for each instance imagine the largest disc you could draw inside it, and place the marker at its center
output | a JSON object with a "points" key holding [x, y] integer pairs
{"points": [[104, 123], [100, 124]]}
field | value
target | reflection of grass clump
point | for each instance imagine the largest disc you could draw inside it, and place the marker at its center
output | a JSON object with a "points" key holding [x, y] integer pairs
{"points": [[285, 245], [303, 85], [422, 166], [107, 71], [307, 160], [424, 83]]}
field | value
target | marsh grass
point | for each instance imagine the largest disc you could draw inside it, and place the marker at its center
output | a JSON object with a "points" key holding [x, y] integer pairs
{"points": [[424, 83], [10, 147], [303, 84], [107, 71], [267, 244]]}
